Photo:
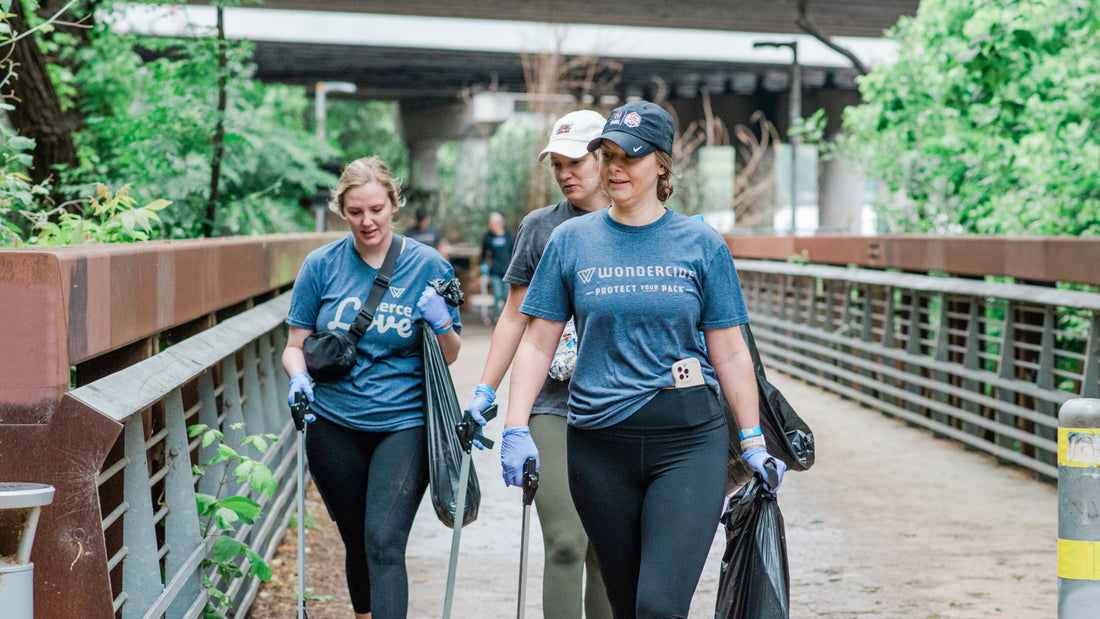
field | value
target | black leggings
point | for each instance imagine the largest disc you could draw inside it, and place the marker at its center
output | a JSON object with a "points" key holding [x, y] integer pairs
{"points": [[649, 491], [372, 484]]}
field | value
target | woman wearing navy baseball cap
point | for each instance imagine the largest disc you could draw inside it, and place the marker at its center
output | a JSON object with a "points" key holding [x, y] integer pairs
{"points": [[647, 439]]}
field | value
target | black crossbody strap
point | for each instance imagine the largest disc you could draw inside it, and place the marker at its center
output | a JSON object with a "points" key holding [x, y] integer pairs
{"points": [[381, 282]]}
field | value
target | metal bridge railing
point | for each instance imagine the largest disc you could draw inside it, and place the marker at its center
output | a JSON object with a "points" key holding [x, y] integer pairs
{"points": [[226, 375], [984, 363]]}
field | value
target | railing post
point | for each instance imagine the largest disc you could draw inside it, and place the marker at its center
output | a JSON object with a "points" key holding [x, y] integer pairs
{"points": [[1078, 520]]}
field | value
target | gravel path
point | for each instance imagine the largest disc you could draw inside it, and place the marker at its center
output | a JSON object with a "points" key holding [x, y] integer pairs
{"points": [[890, 523]]}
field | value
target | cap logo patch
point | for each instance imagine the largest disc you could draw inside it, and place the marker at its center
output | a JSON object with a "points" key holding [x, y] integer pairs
{"points": [[632, 120], [564, 128], [616, 118]]}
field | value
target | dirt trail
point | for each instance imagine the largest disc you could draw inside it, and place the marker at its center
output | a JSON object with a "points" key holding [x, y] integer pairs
{"points": [[889, 523]]}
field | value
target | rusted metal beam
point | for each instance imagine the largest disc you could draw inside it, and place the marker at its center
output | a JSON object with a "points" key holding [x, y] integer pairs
{"points": [[1049, 259], [67, 305], [69, 554]]}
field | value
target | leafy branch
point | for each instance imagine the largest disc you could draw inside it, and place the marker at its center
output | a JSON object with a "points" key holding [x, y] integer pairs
{"points": [[222, 515]]}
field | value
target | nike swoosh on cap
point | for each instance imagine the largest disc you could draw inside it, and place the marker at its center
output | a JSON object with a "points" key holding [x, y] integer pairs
{"points": [[637, 148]]}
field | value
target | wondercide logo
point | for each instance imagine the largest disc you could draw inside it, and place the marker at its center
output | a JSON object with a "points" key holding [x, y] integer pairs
{"points": [[625, 272]]}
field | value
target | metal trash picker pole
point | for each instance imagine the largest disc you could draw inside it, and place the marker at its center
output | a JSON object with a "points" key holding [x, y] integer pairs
{"points": [[530, 485], [302, 417], [1078, 521], [467, 432]]}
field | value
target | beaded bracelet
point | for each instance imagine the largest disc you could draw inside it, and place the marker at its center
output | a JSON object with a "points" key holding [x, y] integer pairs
{"points": [[752, 442]]}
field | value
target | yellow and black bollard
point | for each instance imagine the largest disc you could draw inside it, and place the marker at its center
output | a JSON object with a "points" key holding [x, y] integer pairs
{"points": [[1079, 509]]}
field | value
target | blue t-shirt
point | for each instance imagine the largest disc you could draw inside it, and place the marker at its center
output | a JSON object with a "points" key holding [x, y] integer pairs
{"points": [[384, 391], [640, 296]]}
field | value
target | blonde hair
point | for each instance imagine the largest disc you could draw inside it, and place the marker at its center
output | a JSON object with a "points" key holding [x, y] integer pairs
{"points": [[361, 172], [664, 181]]}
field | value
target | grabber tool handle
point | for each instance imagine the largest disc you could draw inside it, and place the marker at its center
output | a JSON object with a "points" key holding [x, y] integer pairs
{"points": [[530, 481], [467, 429], [299, 412]]}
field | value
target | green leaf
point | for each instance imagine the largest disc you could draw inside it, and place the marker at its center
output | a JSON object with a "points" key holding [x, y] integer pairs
{"points": [[257, 566], [224, 518], [247, 509], [206, 504], [262, 480], [226, 549], [19, 142], [258, 442], [196, 429], [243, 469], [227, 452], [208, 439]]}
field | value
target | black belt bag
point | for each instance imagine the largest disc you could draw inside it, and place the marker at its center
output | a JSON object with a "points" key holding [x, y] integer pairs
{"points": [[330, 355]]}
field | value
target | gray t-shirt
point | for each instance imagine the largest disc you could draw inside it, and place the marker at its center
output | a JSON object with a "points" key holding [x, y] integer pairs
{"points": [[639, 296], [534, 232]]}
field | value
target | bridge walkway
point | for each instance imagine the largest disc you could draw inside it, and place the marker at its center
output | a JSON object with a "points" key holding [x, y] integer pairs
{"points": [[890, 523]]}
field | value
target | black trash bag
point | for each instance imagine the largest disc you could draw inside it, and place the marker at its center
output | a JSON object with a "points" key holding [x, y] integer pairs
{"points": [[441, 414], [789, 438], [755, 580]]}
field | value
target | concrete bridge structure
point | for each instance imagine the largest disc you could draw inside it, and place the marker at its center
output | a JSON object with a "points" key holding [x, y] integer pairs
{"points": [[457, 70]]}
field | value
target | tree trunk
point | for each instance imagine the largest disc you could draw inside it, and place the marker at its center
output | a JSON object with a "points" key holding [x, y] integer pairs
{"points": [[37, 112], [219, 130]]}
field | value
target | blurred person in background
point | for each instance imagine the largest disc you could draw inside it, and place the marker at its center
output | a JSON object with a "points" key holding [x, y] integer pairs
{"points": [[424, 232], [496, 253]]}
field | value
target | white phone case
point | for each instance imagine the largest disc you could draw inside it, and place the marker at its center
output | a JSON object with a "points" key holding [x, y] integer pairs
{"points": [[687, 373]]}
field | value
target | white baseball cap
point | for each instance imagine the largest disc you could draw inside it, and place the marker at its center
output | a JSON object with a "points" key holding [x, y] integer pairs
{"points": [[572, 133]]}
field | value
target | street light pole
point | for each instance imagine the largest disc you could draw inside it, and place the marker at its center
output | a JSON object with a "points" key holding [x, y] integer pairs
{"points": [[794, 117], [320, 91]]}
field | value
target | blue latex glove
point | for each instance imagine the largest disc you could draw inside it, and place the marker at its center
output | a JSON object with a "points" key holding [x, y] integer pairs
{"points": [[299, 381], [433, 308], [516, 447], [484, 268], [484, 396], [757, 457]]}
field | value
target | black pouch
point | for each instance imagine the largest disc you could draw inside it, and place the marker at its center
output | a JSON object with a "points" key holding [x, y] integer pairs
{"points": [[329, 354]]}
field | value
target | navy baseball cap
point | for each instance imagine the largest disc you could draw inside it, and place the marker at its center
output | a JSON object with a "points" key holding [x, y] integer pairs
{"points": [[639, 128]]}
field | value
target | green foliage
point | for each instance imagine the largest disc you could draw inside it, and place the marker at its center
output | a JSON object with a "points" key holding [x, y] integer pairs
{"points": [[152, 122], [114, 218], [365, 128], [223, 514], [471, 186], [149, 109], [988, 120]]}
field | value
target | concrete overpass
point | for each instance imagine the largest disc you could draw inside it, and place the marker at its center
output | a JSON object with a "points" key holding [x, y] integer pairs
{"points": [[431, 57]]}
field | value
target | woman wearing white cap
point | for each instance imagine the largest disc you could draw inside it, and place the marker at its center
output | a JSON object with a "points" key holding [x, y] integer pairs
{"points": [[566, 546], [647, 439]]}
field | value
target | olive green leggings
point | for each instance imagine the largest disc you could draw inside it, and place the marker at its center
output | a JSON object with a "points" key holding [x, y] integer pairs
{"points": [[565, 544]]}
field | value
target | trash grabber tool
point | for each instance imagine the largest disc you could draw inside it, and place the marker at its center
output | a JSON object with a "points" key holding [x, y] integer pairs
{"points": [[301, 416], [467, 432], [530, 485]]}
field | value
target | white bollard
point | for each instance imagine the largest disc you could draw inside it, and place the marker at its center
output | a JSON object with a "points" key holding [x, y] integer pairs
{"points": [[20, 505]]}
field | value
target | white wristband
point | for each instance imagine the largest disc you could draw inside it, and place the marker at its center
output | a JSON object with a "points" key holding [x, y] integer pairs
{"points": [[752, 442]]}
